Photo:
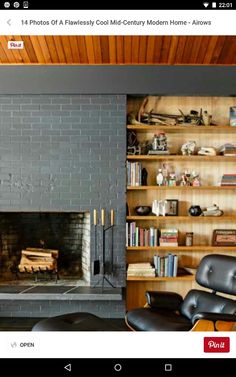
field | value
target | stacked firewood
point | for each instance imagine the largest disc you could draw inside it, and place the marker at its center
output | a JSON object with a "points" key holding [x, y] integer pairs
{"points": [[37, 260]]}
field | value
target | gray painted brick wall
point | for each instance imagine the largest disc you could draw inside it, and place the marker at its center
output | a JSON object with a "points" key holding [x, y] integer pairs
{"points": [[66, 153]]}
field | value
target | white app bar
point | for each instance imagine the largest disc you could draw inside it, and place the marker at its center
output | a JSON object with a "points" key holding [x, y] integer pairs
{"points": [[111, 345], [118, 22]]}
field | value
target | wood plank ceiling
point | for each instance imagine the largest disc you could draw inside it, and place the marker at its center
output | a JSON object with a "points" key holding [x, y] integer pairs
{"points": [[120, 50]]}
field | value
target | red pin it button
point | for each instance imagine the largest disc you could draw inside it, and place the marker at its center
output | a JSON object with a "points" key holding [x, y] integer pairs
{"points": [[217, 344]]}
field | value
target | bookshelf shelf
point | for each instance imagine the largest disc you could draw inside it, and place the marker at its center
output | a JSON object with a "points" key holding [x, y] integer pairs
{"points": [[178, 157], [182, 129], [183, 218], [156, 279], [182, 248], [181, 188]]}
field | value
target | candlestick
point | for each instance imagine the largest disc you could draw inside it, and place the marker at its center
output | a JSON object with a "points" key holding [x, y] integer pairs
{"points": [[103, 216], [94, 217], [112, 217]]}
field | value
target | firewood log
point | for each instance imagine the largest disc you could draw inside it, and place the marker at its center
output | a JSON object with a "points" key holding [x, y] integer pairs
{"points": [[54, 252]]}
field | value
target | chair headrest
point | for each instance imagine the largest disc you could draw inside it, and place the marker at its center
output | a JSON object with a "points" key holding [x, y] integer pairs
{"points": [[218, 272]]}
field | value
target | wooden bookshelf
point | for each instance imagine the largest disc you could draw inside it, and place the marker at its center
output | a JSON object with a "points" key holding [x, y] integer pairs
{"points": [[210, 170]]}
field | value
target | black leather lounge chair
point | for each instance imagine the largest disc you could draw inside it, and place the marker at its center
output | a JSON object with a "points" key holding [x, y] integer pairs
{"points": [[200, 310]]}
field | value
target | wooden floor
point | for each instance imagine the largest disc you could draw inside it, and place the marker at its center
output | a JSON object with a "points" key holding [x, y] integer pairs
{"points": [[26, 324]]}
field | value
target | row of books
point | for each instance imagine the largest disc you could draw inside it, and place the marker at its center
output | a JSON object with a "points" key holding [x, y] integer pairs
{"points": [[137, 236], [166, 266], [134, 173]]}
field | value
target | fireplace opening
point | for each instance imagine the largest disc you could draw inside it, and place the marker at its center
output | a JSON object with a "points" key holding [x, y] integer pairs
{"points": [[44, 244]]}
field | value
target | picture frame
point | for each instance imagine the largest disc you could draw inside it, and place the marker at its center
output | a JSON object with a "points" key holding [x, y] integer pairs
{"points": [[224, 237], [232, 116], [172, 207]]}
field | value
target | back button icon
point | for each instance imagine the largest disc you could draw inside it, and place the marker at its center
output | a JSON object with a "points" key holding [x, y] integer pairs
{"points": [[68, 367]]}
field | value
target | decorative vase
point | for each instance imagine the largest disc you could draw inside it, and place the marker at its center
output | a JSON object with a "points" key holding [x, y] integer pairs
{"points": [[195, 211], [159, 178], [144, 177]]}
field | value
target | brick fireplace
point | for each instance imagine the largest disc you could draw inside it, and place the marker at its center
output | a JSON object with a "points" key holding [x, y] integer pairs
{"points": [[63, 154], [67, 233]]}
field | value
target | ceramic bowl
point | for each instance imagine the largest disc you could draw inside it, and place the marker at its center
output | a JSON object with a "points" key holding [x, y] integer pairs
{"points": [[143, 210]]}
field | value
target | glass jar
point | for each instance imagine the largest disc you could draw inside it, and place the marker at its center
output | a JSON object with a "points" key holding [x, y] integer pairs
{"points": [[189, 239]]}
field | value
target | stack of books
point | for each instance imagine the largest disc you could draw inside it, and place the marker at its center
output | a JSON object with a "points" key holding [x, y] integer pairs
{"points": [[166, 266], [228, 180], [228, 149], [141, 269], [169, 237]]}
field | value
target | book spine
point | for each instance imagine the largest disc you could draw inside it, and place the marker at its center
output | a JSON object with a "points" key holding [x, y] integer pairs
{"points": [[175, 265]]}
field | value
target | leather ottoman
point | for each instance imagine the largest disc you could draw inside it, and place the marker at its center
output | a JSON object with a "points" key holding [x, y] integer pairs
{"points": [[75, 322]]}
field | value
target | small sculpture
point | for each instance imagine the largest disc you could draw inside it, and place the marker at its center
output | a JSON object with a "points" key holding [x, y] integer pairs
{"points": [[187, 178], [190, 179], [183, 181], [172, 179], [159, 207], [188, 148], [159, 178], [214, 210], [195, 179], [133, 146], [159, 144], [144, 177], [207, 118], [165, 173], [207, 151], [132, 139], [155, 207]]}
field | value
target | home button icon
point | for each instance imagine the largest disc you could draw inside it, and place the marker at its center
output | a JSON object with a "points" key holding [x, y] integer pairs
{"points": [[117, 367]]}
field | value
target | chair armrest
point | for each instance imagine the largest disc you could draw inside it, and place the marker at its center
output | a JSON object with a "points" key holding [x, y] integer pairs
{"points": [[164, 300], [214, 317]]}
